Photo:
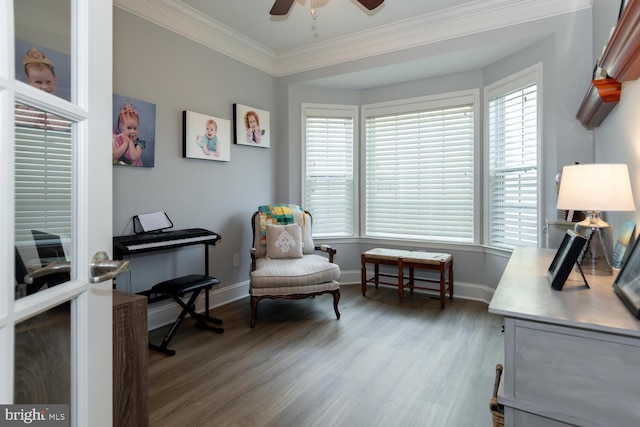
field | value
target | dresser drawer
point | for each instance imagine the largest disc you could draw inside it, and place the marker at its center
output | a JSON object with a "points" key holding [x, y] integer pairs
{"points": [[591, 375]]}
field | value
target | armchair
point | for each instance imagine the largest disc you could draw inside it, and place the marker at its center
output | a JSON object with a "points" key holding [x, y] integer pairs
{"points": [[280, 269]]}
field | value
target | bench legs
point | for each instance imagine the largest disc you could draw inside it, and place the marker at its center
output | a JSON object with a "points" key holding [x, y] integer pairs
{"points": [[445, 269]]}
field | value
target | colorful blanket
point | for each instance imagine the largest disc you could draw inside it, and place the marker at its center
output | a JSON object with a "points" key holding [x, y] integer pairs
{"points": [[279, 214]]}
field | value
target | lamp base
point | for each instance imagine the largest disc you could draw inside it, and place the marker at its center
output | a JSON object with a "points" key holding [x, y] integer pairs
{"points": [[597, 255]]}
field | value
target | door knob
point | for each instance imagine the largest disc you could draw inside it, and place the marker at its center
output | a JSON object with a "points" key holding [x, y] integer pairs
{"points": [[103, 268]]}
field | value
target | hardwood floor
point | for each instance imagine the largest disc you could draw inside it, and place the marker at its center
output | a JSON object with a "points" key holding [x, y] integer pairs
{"points": [[382, 364]]}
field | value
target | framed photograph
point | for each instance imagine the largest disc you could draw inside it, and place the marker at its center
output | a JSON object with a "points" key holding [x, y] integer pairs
{"points": [[205, 137], [134, 132], [43, 68], [627, 283], [251, 126], [624, 240], [565, 259]]}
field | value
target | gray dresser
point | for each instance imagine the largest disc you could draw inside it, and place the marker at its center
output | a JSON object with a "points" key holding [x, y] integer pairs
{"points": [[570, 357]]}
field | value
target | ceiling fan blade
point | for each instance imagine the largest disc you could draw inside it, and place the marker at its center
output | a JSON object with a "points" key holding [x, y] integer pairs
{"points": [[281, 7], [371, 4]]}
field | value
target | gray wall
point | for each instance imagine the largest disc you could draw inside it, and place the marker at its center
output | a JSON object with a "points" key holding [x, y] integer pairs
{"points": [[155, 65], [158, 66]]}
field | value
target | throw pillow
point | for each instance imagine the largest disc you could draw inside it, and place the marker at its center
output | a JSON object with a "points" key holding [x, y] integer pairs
{"points": [[284, 241]]}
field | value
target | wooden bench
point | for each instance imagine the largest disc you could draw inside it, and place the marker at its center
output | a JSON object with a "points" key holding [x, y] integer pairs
{"points": [[440, 262]]}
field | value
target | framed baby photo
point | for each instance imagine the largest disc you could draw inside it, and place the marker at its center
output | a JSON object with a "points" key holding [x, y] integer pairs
{"points": [[134, 132], [43, 68], [251, 126], [564, 259], [627, 282], [205, 137]]}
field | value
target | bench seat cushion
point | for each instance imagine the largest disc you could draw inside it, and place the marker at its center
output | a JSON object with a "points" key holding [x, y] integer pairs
{"points": [[416, 257], [297, 272]]}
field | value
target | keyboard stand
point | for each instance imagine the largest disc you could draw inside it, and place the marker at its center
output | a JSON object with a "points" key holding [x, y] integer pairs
{"points": [[181, 286]]}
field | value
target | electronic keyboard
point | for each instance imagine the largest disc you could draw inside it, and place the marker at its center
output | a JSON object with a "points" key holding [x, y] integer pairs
{"points": [[127, 245]]}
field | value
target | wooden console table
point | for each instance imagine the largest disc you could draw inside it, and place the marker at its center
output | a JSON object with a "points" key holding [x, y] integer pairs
{"points": [[570, 357]]}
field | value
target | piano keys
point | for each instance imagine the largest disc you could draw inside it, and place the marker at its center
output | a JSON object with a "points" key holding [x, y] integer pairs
{"points": [[139, 243]]}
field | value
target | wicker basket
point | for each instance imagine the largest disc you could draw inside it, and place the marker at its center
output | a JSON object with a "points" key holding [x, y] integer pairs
{"points": [[497, 410]]}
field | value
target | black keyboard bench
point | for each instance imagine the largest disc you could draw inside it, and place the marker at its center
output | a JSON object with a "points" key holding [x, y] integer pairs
{"points": [[177, 288]]}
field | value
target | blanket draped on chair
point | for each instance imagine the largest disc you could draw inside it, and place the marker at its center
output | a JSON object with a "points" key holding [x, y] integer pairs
{"points": [[280, 214]]}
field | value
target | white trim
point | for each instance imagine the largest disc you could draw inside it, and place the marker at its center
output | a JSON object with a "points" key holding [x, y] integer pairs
{"points": [[471, 18], [7, 331]]}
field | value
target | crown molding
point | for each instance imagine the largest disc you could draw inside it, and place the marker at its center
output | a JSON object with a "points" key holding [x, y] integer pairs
{"points": [[188, 22], [472, 18]]}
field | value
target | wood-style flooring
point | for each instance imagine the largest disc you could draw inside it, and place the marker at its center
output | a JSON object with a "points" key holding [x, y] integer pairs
{"points": [[383, 363]]}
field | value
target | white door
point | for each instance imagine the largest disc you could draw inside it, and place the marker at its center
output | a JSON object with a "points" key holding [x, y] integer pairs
{"points": [[55, 191]]}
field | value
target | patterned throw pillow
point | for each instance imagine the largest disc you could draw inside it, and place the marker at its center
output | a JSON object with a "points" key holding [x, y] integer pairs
{"points": [[284, 241]]}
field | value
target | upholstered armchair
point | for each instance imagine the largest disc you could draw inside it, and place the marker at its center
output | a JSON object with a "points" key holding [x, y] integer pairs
{"points": [[285, 263]]}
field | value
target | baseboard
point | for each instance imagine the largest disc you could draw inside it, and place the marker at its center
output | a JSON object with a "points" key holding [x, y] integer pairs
{"points": [[165, 312]]}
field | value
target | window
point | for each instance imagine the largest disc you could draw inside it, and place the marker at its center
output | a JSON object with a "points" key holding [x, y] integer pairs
{"points": [[43, 183], [512, 169], [419, 170], [328, 157]]}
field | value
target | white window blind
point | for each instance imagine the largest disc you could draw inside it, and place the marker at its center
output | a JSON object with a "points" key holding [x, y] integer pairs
{"points": [[513, 165], [43, 181], [329, 169], [419, 177]]}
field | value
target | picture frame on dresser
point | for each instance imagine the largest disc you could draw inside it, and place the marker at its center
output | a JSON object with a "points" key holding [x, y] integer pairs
{"points": [[564, 260], [627, 283]]}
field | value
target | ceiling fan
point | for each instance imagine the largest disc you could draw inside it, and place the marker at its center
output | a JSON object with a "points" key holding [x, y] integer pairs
{"points": [[282, 7]]}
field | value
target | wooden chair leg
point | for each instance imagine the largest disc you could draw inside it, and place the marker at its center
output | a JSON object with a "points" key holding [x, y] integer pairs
{"points": [[400, 280], [451, 280], [363, 275], [442, 285], [254, 311], [336, 299]]}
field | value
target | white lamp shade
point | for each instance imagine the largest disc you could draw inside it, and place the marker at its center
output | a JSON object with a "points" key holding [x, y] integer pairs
{"points": [[596, 187]]}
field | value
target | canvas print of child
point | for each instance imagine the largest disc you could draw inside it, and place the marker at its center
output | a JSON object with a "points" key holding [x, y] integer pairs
{"points": [[251, 126], [43, 68], [206, 137], [134, 132]]}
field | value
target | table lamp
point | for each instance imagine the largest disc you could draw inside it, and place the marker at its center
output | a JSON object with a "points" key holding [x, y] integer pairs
{"points": [[594, 188]]}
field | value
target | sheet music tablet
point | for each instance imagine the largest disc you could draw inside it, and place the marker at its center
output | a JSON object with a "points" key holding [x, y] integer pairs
{"points": [[152, 221]]}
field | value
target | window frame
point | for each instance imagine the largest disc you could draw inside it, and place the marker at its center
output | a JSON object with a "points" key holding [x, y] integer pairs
{"points": [[519, 79], [440, 100], [337, 111]]}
